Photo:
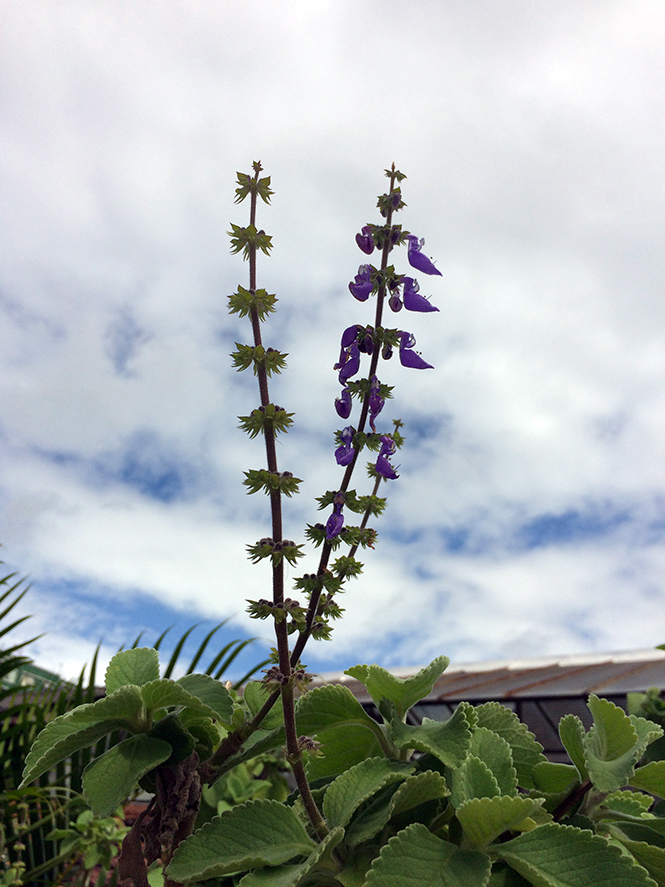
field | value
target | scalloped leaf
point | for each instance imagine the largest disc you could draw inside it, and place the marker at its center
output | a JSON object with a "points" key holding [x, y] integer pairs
{"points": [[211, 693], [342, 748], [166, 693], [82, 727], [357, 785], [402, 692], [251, 835], [417, 858], [650, 778], [417, 789], [484, 819], [292, 875], [527, 752], [112, 777], [332, 706], [473, 779], [550, 777], [563, 856], [496, 753], [573, 736], [612, 746], [137, 666], [447, 740]]}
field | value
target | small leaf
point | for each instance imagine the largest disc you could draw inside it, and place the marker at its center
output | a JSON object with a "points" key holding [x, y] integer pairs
{"points": [[447, 740], [255, 696], [417, 790], [484, 819], [111, 778], [650, 778], [136, 666], [572, 734], [293, 875], [562, 856], [254, 834], [527, 752], [356, 785], [612, 746], [82, 727], [495, 752], [417, 858], [211, 693], [473, 779], [403, 692]]}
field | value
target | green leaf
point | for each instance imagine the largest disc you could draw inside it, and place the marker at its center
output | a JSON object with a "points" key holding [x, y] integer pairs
{"points": [[403, 692], [652, 858], [333, 706], [527, 752], [83, 726], [650, 778], [562, 856], [356, 785], [448, 740], [495, 752], [111, 778], [342, 748], [292, 875], [612, 747], [572, 735], [255, 696], [628, 802], [136, 666], [417, 858], [473, 779], [553, 778], [165, 693], [484, 819], [254, 834], [417, 790], [211, 693]]}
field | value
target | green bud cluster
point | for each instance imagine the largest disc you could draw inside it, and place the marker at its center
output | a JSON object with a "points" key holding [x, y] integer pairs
{"points": [[257, 421], [269, 359], [271, 481], [243, 301], [246, 238]]}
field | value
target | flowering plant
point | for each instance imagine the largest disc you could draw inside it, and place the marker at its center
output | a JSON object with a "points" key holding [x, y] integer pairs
{"points": [[470, 802]]}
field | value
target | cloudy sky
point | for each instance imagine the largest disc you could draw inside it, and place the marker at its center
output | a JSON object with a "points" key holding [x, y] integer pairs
{"points": [[529, 517]]}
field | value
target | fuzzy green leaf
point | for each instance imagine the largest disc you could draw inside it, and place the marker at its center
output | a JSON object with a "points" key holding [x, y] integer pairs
{"points": [[342, 748], [554, 778], [484, 819], [255, 695], [473, 779], [251, 835], [136, 666], [527, 752], [403, 692], [166, 693], [448, 740], [293, 875], [111, 778], [356, 785], [612, 747], [212, 693], [417, 858], [332, 706], [572, 735], [562, 856], [495, 752], [650, 778], [418, 789], [82, 727]]}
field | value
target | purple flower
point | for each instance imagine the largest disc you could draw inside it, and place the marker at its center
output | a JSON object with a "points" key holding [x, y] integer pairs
{"points": [[336, 519], [362, 285], [349, 355], [376, 402], [395, 302], [345, 453], [365, 240], [383, 466], [417, 259], [413, 301], [343, 404], [409, 358]]}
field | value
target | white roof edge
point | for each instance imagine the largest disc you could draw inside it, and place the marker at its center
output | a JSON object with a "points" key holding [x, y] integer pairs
{"points": [[649, 654]]}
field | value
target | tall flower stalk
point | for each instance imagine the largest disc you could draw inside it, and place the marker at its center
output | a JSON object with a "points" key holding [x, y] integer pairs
{"points": [[287, 675]]}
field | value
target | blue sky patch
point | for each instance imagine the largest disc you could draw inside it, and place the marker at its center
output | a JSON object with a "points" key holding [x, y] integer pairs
{"points": [[569, 526]]}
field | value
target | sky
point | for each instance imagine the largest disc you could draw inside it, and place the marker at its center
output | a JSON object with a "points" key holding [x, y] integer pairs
{"points": [[529, 515]]}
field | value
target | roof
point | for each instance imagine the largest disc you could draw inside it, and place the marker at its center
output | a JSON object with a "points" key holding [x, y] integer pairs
{"points": [[605, 674]]}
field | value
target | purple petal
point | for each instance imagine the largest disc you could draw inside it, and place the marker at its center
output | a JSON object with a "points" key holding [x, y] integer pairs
{"points": [[350, 335], [395, 303], [385, 469], [413, 301], [365, 240], [351, 364], [409, 358], [417, 259], [343, 404], [334, 525], [362, 285], [344, 454]]}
